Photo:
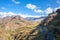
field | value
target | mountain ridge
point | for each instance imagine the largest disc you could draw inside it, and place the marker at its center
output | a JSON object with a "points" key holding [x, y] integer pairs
{"points": [[17, 28]]}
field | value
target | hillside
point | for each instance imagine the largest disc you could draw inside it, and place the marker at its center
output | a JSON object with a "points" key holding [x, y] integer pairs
{"points": [[48, 29], [17, 28], [11, 25]]}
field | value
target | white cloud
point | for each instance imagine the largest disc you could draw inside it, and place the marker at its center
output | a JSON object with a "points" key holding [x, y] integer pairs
{"points": [[4, 14], [49, 10], [56, 8], [38, 11], [10, 13], [34, 16], [34, 8], [27, 15], [58, 1], [31, 6], [16, 2]]}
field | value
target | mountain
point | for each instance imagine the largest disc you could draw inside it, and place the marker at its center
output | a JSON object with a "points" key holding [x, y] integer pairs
{"points": [[34, 18], [17, 28], [48, 29], [14, 22], [53, 23], [10, 25]]}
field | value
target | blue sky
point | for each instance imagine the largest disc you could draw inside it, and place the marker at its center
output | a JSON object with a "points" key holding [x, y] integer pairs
{"points": [[27, 8]]}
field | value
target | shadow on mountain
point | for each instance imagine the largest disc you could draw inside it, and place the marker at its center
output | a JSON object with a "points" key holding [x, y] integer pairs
{"points": [[49, 29]]}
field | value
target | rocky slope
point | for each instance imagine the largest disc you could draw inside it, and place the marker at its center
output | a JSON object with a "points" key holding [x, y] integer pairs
{"points": [[17, 28], [11, 25], [14, 22], [48, 29]]}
